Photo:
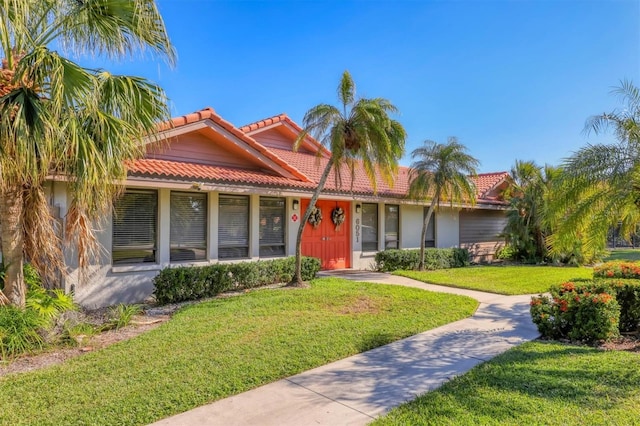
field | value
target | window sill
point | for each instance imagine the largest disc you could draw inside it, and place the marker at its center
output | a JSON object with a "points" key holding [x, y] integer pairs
{"points": [[135, 268]]}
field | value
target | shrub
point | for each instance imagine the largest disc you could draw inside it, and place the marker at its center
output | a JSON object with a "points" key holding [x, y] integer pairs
{"points": [[583, 311], [121, 315], [617, 270], [195, 282], [19, 331], [392, 260], [628, 297]]}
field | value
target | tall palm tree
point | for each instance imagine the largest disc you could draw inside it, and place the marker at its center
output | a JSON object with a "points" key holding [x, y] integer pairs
{"points": [[58, 118], [528, 194], [600, 184], [441, 172], [359, 131]]}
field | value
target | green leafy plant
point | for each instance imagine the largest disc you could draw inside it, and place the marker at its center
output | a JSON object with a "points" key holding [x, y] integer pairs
{"points": [[195, 282], [121, 315], [578, 311], [617, 270], [19, 331], [77, 334], [392, 260]]}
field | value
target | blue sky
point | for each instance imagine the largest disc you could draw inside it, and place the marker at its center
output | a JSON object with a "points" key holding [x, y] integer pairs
{"points": [[511, 79]]}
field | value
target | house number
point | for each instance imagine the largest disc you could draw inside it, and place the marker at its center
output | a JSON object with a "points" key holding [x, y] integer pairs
{"points": [[357, 230]]}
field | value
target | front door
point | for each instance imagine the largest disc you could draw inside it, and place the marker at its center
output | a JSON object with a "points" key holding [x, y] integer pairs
{"points": [[328, 242]]}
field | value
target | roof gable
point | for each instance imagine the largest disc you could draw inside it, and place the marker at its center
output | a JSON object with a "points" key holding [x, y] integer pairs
{"points": [[187, 138]]}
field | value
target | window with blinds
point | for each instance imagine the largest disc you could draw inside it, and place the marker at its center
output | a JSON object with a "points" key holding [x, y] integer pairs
{"points": [[135, 220], [188, 226], [369, 227], [391, 226], [233, 227], [430, 238], [272, 226]]}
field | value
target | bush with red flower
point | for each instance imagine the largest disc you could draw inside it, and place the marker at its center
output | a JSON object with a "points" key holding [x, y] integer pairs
{"points": [[629, 270], [577, 311]]}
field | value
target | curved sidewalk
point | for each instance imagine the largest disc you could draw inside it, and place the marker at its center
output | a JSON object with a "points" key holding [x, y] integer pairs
{"points": [[356, 390]]}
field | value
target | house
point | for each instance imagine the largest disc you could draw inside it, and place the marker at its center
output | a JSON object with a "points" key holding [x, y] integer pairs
{"points": [[213, 192]]}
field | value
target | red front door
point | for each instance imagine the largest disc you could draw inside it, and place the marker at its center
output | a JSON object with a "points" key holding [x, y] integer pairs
{"points": [[327, 242]]}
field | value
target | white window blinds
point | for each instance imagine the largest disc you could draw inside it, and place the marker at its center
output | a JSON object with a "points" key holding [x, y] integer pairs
{"points": [[233, 227], [188, 226], [135, 218]]}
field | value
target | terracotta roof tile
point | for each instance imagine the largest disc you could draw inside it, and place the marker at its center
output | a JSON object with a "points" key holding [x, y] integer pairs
{"points": [[181, 170], [209, 113]]}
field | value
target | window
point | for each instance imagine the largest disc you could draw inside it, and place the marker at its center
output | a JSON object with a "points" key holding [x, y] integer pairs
{"points": [[135, 219], [369, 227], [233, 227], [188, 226], [272, 221], [391, 226], [430, 238]]}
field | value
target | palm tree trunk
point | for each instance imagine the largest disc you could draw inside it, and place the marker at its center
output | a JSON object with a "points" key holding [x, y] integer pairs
{"points": [[425, 225], [297, 277], [11, 205]]}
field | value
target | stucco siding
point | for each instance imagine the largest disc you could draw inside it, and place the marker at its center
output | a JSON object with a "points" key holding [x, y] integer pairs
{"points": [[410, 226]]}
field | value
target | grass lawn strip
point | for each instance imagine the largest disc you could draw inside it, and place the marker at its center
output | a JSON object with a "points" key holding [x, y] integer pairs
{"points": [[535, 384], [507, 280], [223, 347], [628, 254]]}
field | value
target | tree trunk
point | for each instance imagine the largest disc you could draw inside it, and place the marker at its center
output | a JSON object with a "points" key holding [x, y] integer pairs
{"points": [[425, 225], [297, 277], [11, 205]]}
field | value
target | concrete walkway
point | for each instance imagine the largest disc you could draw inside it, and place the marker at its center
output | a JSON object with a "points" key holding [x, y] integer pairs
{"points": [[356, 390]]}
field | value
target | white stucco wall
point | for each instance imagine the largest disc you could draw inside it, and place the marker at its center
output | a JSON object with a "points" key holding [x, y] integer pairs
{"points": [[410, 226]]}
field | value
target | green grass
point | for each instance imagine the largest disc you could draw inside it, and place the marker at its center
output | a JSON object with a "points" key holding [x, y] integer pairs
{"points": [[223, 347], [535, 384], [623, 254], [508, 280]]}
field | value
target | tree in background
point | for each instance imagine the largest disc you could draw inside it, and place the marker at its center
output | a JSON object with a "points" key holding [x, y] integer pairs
{"points": [[528, 195], [58, 117], [441, 172], [600, 184], [358, 132]]}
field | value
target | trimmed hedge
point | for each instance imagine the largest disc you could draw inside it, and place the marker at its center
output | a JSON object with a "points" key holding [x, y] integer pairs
{"points": [[434, 258], [195, 282]]}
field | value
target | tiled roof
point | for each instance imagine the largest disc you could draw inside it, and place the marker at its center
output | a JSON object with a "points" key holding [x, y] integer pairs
{"points": [[209, 113], [281, 118], [188, 171], [313, 167], [307, 168]]}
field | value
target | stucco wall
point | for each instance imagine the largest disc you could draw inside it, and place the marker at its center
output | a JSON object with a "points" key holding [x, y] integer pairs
{"points": [[410, 226]]}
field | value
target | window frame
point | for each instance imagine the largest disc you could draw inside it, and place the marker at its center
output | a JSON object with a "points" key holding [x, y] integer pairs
{"points": [[193, 248], [432, 223], [263, 246], [367, 245], [387, 208], [238, 247], [132, 261]]}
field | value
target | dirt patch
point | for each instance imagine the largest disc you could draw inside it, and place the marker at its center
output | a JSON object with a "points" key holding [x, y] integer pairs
{"points": [[629, 343], [361, 305], [140, 324]]}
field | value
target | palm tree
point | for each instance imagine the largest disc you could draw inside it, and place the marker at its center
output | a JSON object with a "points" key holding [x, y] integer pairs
{"points": [[441, 172], [528, 195], [62, 119], [358, 132], [600, 184]]}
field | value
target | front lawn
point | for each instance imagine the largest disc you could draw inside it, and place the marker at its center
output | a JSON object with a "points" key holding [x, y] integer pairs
{"points": [[223, 347], [507, 280], [535, 384], [632, 255]]}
